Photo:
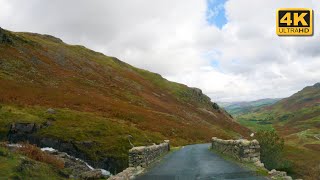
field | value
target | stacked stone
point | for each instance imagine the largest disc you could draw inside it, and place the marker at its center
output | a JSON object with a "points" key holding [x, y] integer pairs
{"points": [[144, 155], [279, 175], [243, 150], [250, 150], [129, 173]]}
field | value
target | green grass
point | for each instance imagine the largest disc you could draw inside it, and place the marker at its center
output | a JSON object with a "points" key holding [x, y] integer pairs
{"points": [[16, 166], [254, 125]]}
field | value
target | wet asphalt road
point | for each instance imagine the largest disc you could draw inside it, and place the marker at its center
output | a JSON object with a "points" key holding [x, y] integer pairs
{"points": [[196, 162]]}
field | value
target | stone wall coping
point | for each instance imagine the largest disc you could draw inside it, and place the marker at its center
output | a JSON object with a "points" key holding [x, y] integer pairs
{"points": [[152, 147], [242, 142]]}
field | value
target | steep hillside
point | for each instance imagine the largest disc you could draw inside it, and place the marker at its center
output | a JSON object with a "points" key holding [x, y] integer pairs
{"points": [[297, 119], [98, 101], [239, 108]]}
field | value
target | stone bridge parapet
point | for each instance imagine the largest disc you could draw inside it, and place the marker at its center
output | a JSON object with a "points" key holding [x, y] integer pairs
{"points": [[242, 149]]}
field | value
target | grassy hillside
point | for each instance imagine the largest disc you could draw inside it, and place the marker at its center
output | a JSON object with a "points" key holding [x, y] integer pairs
{"points": [[297, 119], [239, 108], [99, 98]]}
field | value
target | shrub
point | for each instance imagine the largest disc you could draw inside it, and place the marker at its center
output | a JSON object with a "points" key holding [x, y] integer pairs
{"points": [[271, 149], [35, 153]]}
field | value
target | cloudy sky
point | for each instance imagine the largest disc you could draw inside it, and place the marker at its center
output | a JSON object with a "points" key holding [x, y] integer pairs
{"points": [[228, 48]]}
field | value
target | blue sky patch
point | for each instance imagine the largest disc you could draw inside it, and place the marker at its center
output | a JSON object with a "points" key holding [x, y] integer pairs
{"points": [[212, 57], [215, 13]]}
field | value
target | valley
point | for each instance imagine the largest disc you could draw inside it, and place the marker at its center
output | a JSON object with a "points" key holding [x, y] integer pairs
{"points": [[297, 120]]}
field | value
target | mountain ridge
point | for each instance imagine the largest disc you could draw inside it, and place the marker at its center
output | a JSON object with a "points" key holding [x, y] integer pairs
{"points": [[243, 107]]}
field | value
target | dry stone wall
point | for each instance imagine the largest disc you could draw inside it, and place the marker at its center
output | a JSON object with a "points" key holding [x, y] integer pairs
{"points": [[144, 155], [243, 150]]}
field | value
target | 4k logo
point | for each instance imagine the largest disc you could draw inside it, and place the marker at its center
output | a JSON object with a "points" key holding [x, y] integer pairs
{"points": [[294, 22]]}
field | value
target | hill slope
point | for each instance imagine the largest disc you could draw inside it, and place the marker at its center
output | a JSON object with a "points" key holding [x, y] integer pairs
{"points": [[99, 100], [297, 119], [238, 108]]}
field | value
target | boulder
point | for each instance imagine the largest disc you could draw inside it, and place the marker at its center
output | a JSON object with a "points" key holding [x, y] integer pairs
{"points": [[91, 175], [23, 127], [258, 164], [51, 111], [279, 175]]}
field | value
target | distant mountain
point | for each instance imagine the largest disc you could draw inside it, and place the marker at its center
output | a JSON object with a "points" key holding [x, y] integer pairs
{"points": [[238, 108], [297, 119], [96, 102]]}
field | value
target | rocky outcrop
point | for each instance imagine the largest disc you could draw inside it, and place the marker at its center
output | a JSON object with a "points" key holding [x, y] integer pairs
{"points": [[77, 168], [4, 37], [21, 132], [243, 150], [200, 97], [145, 155]]}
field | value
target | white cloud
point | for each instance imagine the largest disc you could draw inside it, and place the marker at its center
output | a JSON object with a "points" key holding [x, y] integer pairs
{"points": [[173, 38]]}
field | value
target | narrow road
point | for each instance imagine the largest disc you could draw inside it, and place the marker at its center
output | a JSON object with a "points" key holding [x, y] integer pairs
{"points": [[197, 162]]}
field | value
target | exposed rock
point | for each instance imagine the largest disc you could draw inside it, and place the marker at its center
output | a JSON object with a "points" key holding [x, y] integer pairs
{"points": [[94, 174], [4, 37], [215, 106], [197, 91], [77, 168], [129, 173], [274, 172], [279, 175], [27, 128], [51, 111], [27, 132], [200, 97], [21, 131], [259, 164]]}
